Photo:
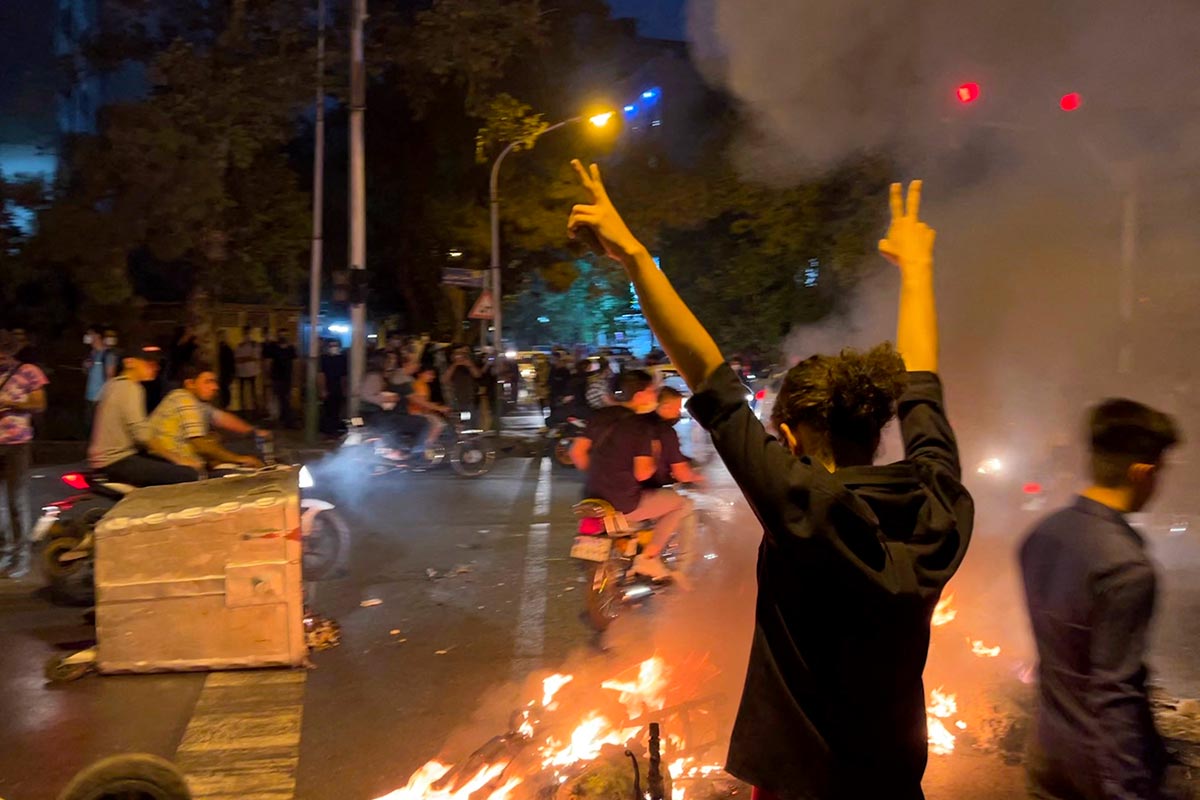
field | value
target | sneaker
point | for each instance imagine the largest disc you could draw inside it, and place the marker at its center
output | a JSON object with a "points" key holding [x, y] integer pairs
{"points": [[651, 567]]}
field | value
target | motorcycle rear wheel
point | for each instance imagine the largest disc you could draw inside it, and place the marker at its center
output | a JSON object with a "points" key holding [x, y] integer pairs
{"points": [[602, 601]]}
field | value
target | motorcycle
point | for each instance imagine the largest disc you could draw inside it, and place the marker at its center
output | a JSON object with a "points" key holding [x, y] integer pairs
{"points": [[607, 543], [64, 537], [469, 451]]}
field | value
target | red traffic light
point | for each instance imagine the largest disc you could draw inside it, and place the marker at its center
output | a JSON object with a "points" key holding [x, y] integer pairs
{"points": [[1070, 101], [967, 93]]}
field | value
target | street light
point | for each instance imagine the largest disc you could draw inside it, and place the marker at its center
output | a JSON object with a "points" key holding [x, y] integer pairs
{"points": [[597, 120]]}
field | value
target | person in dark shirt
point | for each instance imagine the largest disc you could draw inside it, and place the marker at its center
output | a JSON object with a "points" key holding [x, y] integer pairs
{"points": [[1089, 587], [618, 452], [282, 356], [673, 466], [332, 386], [854, 557]]}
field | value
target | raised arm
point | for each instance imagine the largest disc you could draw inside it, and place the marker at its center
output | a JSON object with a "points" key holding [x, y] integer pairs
{"points": [[909, 245], [683, 338]]}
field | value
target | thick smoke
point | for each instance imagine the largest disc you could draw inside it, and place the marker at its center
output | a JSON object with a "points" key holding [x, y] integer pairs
{"points": [[1033, 205]]}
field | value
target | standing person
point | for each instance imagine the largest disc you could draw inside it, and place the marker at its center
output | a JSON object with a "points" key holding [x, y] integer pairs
{"points": [[854, 557], [1089, 588], [100, 366], [22, 394], [461, 378], [248, 359], [282, 355], [332, 387], [541, 384], [226, 369]]}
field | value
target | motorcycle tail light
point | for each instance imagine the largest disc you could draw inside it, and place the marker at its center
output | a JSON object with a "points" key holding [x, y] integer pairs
{"points": [[591, 526], [76, 480], [1032, 488], [762, 393]]}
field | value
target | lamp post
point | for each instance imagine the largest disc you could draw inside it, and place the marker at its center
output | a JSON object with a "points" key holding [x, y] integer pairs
{"points": [[599, 120], [314, 287]]}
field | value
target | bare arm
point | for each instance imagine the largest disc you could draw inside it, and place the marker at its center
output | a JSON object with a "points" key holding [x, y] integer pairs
{"points": [[644, 467], [909, 245], [233, 423], [35, 401], [685, 341], [683, 472], [581, 447], [212, 453]]}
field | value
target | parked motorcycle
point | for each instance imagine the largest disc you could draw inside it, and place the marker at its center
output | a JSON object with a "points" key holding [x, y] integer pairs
{"points": [[468, 451], [564, 435], [64, 537]]}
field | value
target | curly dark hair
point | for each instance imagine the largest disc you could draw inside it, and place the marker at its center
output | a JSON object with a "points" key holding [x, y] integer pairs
{"points": [[847, 399]]}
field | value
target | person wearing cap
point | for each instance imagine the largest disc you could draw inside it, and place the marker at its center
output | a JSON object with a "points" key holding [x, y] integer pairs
{"points": [[21, 395], [123, 445]]}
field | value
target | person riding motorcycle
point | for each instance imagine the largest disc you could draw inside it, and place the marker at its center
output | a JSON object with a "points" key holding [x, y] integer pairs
{"points": [[618, 452], [122, 445], [383, 402], [181, 425]]}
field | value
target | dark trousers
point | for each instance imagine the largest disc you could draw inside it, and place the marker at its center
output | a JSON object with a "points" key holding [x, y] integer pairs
{"points": [[331, 415], [246, 393], [283, 393], [144, 470], [226, 392], [16, 522]]}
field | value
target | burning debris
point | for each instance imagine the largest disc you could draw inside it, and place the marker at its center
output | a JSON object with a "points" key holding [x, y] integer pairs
{"points": [[548, 753]]}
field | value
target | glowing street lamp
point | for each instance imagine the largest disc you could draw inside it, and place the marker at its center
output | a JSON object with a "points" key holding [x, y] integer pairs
{"points": [[600, 120]]}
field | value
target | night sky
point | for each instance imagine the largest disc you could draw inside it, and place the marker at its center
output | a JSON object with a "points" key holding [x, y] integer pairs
{"points": [[659, 19]]}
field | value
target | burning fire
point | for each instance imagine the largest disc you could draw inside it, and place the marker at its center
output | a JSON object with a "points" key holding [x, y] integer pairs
{"points": [[647, 692], [982, 650], [942, 704], [642, 690], [944, 612], [587, 740], [550, 687], [423, 784]]}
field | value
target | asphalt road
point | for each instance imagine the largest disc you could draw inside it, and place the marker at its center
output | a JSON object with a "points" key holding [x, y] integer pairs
{"points": [[477, 600]]}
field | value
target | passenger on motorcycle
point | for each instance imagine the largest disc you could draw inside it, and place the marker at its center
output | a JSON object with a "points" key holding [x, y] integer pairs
{"points": [[420, 403], [384, 404], [673, 465], [122, 446], [183, 422], [619, 451]]}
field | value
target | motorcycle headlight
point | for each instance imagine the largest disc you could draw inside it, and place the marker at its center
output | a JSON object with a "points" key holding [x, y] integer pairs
{"points": [[306, 480]]}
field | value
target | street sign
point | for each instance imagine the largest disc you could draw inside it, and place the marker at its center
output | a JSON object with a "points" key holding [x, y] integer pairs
{"points": [[467, 278], [483, 307]]}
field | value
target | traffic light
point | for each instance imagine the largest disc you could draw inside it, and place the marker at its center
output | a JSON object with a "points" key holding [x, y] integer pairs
{"points": [[967, 93], [1070, 101]]}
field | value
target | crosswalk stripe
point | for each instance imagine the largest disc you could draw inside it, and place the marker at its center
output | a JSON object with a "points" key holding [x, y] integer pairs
{"points": [[243, 741]]}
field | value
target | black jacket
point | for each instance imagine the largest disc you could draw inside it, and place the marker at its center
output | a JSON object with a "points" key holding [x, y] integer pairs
{"points": [[850, 568]]}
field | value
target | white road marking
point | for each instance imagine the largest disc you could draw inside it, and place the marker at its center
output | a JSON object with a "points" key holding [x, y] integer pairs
{"points": [[531, 618]]}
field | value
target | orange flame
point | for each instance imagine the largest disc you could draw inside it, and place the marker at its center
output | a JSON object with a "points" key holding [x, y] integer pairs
{"points": [[420, 785], [550, 687], [648, 692], [944, 612], [941, 706], [587, 740], [982, 650]]}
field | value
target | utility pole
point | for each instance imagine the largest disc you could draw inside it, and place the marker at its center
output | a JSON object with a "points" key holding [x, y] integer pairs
{"points": [[314, 289], [358, 205]]}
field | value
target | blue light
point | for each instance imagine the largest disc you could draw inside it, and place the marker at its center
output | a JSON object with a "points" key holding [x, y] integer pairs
{"points": [[649, 94], [630, 109], [543, 320]]}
